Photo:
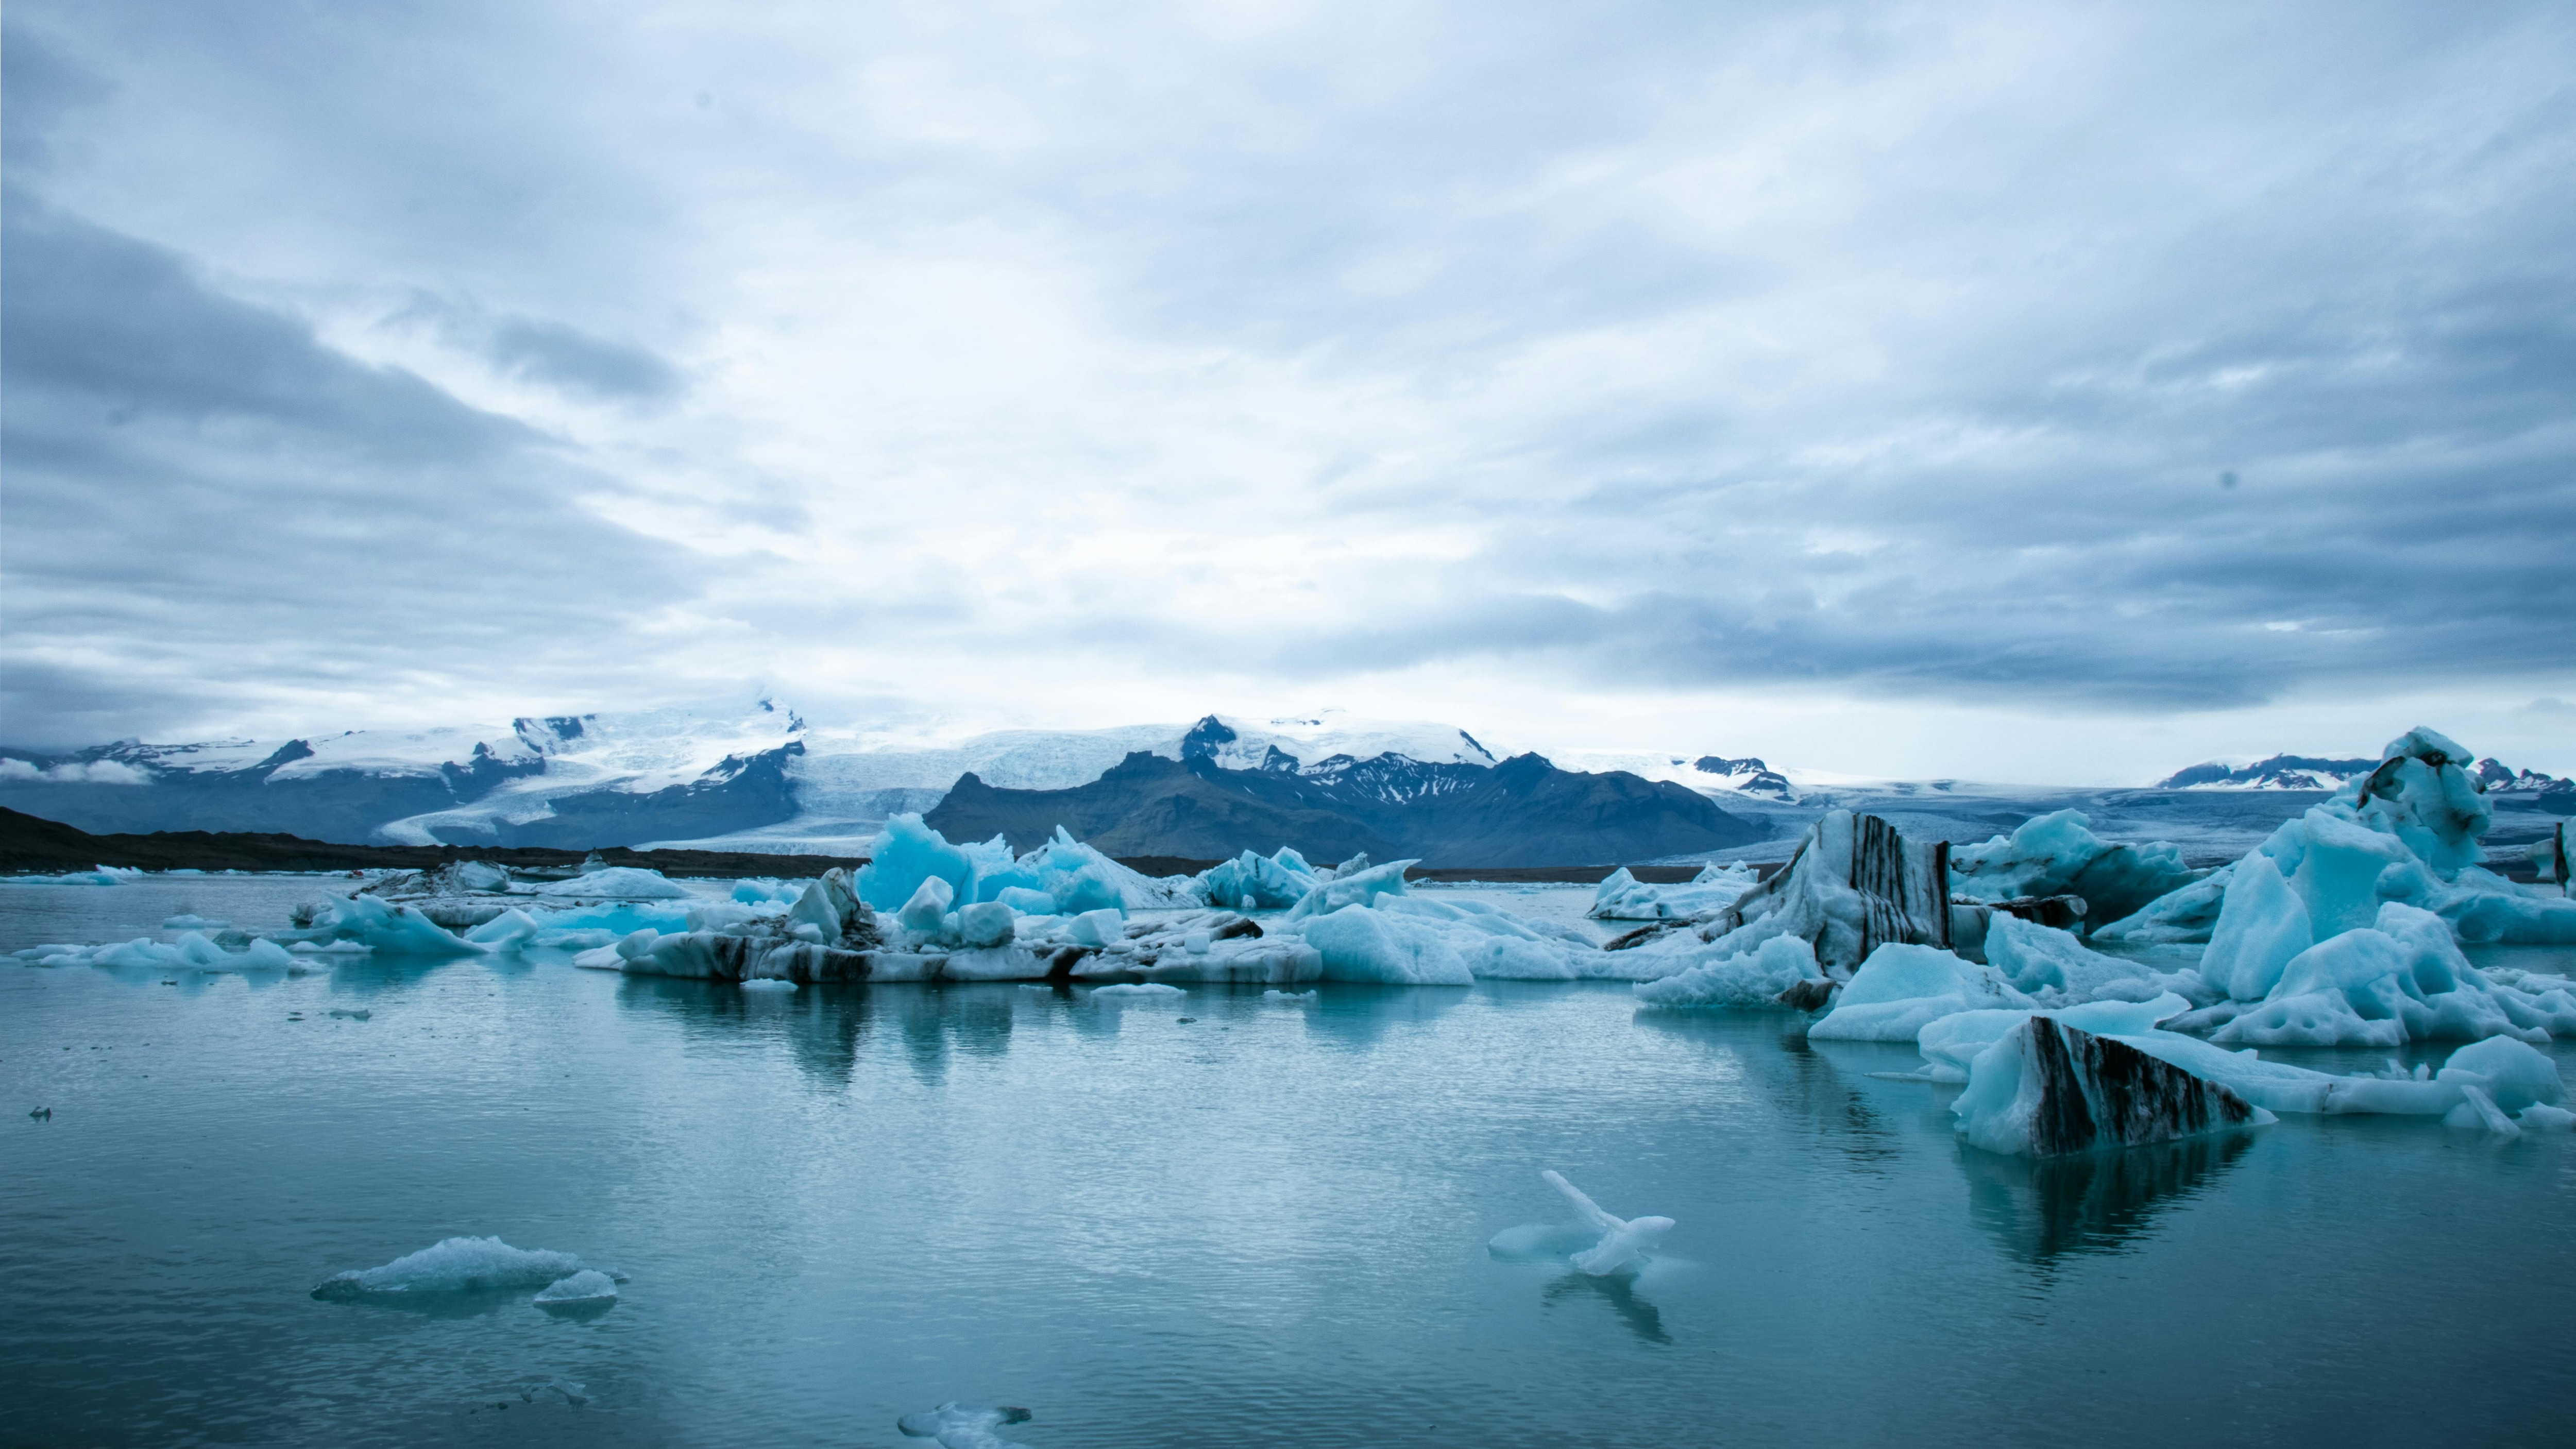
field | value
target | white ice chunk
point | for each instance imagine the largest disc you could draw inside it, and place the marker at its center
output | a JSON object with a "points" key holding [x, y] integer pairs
{"points": [[928, 906], [455, 1265], [1613, 1243], [1361, 944], [1902, 988], [964, 1426], [2045, 1089], [617, 883], [509, 930], [587, 1286], [1752, 978]]}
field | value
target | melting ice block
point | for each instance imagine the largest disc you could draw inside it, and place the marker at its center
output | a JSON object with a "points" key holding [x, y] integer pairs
{"points": [[588, 1286], [964, 1426], [1615, 1242], [2047, 1089], [617, 882], [455, 1265]]}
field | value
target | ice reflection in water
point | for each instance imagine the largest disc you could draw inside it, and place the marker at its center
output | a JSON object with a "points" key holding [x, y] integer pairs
{"points": [[2091, 1202]]}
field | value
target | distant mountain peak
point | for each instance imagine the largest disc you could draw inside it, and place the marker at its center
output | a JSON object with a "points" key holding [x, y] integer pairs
{"points": [[1747, 775], [2318, 772]]}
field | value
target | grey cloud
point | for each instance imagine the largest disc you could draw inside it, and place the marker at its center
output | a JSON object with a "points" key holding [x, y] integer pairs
{"points": [[1910, 346], [206, 505], [574, 361], [39, 86], [549, 353]]}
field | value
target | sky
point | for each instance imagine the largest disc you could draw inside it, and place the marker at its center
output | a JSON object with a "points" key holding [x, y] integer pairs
{"points": [[2056, 393]]}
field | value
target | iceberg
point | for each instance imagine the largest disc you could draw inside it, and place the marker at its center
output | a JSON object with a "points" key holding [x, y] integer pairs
{"points": [[2047, 1088], [1902, 988], [454, 1265], [964, 1426], [1075, 876], [1952, 1044], [1254, 882], [1853, 885], [191, 952], [395, 930], [1759, 977], [1350, 887], [1597, 1243], [2053, 967], [1135, 990], [2058, 855], [616, 883], [589, 1286], [2342, 928], [1622, 897], [1358, 943]]}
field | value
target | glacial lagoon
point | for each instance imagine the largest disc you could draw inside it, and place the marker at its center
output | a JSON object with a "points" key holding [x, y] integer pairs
{"points": [[1267, 1224]]}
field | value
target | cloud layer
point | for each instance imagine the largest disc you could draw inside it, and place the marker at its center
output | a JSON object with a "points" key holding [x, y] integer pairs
{"points": [[2165, 372]]}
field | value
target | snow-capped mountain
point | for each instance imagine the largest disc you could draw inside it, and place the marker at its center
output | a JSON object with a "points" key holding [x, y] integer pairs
{"points": [[1713, 775], [2310, 772], [755, 777]]}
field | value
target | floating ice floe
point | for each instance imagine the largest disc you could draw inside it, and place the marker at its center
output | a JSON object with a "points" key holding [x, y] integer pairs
{"points": [[191, 952], [105, 875], [2046, 1089], [1763, 976], [1072, 876], [1595, 1243], [964, 1426], [2058, 855], [828, 934], [1256, 882], [587, 1287], [459, 1265], [1622, 897], [616, 883]]}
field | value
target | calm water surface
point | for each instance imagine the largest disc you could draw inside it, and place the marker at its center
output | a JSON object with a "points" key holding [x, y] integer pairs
{"points": [[1264, 1226]]}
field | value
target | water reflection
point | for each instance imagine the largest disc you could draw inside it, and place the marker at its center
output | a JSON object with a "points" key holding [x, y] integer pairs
{"points": [[1620, 1291], [1801, 1077], [827, 1027], [1359, 1017], [2093, 1202]]}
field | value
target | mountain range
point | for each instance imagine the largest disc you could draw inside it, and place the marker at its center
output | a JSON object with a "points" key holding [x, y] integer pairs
{"points": [[1522, 811], [2311, 772], [763, 779], [757, 777]]}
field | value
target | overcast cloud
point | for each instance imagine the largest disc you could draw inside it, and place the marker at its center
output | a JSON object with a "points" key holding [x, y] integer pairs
{"points": [[2002, 390]]}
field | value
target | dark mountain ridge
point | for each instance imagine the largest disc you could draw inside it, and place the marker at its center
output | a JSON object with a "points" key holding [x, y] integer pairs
{"points": [[1521, 812]]}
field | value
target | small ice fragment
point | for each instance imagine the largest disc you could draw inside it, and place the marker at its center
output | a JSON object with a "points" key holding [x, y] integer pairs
{"points": [[361, 1014], [1299, 997], [2547, 1118], [454, 1265], [1132, 989], [1196, 943], [964, 1426], [2477, 1109], [573, 1393], [768, 983], [587, 1286], [1623, 1241]]}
